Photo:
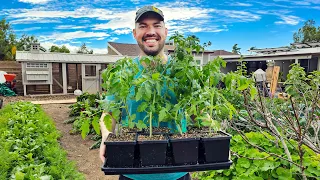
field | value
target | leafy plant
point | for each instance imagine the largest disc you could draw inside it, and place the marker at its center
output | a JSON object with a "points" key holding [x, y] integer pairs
{"points": [[158, 84], [293, 119], [250, 162], [28, 145]]}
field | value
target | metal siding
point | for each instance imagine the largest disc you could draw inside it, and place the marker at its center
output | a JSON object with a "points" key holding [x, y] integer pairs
{"points": [[67, 58]]}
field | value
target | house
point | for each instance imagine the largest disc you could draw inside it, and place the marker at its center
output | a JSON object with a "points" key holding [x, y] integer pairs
{"points": [[132, 50], [306, 54], [54, 73]]}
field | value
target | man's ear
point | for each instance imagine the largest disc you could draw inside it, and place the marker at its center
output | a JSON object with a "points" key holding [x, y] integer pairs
{"points": [[166, 31], [134, 33]]}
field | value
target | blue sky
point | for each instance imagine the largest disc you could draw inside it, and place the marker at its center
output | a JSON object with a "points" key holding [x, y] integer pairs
{"points": [[259, 23]]}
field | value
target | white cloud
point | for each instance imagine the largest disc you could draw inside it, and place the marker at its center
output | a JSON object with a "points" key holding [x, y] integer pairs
{"points": [[101, 38], [70, 27], [73, 35], [241, 4], [113, 39], [239, 16], [123, 31], [283, 15], [300, 2], [82, 12], [289, 19], [28, 29], [35, 1], [32, 20], [197, 29], [135, 1]]}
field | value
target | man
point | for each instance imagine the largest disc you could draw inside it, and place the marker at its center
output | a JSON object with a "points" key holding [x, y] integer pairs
{"points": [[150, 33]]}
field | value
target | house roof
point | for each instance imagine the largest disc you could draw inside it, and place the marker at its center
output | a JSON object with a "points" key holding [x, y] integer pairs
{"points": [[27, 56], [221, 52], [133, 49], [306, 53], [125, 49]]}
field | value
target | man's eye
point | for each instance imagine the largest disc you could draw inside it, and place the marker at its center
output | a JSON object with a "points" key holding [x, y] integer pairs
{"points": [[142, 26], [158, 26]]}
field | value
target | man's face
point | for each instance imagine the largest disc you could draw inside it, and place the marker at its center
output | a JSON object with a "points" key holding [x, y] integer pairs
{"points": [[150, 34]]}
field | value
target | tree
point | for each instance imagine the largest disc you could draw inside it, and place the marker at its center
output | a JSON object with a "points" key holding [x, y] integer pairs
{"points": [[84, 50], [62, 49], [235, 49], [293, 120], [25, 42], [7, 40], [308, 33]]}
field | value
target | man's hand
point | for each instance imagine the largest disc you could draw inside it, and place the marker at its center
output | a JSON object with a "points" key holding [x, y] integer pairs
{"points": [[104, 134]]}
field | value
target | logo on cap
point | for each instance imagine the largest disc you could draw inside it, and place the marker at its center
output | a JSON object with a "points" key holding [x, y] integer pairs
{"points": [[155, 9]]}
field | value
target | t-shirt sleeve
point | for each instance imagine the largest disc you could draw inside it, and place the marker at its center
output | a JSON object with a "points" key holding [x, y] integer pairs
{"points": [[107, 100]]}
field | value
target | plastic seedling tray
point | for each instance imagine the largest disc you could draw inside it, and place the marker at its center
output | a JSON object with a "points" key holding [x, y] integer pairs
{"points": [[167, 169], [170, 165]]}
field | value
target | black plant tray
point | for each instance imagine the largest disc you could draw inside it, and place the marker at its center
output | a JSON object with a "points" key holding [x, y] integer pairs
{"points": [[167, 169]]}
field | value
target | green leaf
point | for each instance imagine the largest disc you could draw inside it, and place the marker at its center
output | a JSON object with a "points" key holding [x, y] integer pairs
{"points": [[313, 170], [283, 173], [148, 91], [228, 81], [267, 165], [243, 84], [158, 87], [141, 125], [206, 123], [253, 92], [155, 76], [95, 124], [142, 106], [19, 175], [139, 93], [108, 122], [162, 114], [214, 79], [245, 163], [116, 113], [47, 177], [85, 128]]}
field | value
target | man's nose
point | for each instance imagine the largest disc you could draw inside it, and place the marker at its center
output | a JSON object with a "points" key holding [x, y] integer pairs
{"points": [[151, 31]]}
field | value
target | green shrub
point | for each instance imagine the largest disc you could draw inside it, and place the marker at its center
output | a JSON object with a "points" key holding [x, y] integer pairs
{"points": [[265, 166], [28, 145]]}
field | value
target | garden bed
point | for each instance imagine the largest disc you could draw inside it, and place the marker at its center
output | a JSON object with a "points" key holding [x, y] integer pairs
{"points": [[29, 147]]}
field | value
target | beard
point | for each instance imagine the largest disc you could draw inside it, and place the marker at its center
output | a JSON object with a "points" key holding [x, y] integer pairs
{"points": [[150, 51]]}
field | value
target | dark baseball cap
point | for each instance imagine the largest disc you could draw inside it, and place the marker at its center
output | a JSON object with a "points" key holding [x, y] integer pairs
{"points": [[146, 9]]}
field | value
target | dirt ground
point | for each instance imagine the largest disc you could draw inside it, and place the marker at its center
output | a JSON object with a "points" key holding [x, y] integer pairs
{"points": [[36, 98], [87, 161]]}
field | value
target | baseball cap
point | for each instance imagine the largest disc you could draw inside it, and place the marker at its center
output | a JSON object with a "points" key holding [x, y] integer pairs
{"points": [[146, 9]]}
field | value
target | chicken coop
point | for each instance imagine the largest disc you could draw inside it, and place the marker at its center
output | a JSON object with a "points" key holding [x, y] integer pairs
{"points": [[61, 73]]}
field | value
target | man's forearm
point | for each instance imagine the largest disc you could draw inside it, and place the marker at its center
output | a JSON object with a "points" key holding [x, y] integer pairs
{"points": [[104, 131]]}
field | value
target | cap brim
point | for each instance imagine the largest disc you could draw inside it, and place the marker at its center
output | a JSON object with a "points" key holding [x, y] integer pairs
{"points": [[138, 17]]}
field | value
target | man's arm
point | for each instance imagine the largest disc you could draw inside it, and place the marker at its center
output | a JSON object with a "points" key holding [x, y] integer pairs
{"points": [[104, 133]]}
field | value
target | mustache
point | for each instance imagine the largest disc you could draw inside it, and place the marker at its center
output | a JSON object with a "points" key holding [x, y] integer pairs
{"points": [[152, 35]]}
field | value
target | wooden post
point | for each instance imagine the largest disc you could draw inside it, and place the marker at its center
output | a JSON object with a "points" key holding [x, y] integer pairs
{"points": [[24, 90], [274, 81], [296, 61], [64, 78], [51, 91], [318, 64]]}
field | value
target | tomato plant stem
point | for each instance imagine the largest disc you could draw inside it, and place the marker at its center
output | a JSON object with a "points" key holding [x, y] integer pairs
{"points": [[150, 122]]}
